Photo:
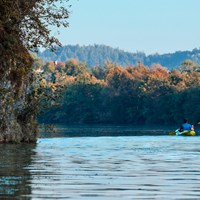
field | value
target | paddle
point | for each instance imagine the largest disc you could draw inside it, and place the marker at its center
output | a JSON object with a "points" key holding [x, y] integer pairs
{"points": [[172, 133]]}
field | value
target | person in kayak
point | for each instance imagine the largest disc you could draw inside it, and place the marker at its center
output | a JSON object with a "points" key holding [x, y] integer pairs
{"points": [[186, 126]]}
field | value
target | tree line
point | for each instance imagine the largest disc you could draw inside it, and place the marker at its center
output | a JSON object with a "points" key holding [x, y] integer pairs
{"points": [[96, 55], [112, 94]]}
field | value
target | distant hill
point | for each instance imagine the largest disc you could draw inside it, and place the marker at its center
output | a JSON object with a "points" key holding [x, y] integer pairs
{"points": [[95, 55]]}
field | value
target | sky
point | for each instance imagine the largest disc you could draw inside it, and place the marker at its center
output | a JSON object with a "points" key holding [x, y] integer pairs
{"points": [[149, 26]]}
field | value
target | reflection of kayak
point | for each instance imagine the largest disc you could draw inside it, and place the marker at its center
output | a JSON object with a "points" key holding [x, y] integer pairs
{"points": [[185, 133]]}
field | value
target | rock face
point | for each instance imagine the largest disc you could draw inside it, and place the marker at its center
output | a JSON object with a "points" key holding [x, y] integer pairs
{"points": [[17, 117], [17, 104]]}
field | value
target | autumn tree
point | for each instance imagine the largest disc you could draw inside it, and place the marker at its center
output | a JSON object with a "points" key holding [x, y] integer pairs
{"points": [[187, 65], [24, 26], [49, 67], [98, 72], [73, 67]]}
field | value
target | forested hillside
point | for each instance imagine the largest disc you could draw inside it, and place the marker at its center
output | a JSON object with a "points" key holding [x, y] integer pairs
{"points": [[96, 55], [119, 95]]}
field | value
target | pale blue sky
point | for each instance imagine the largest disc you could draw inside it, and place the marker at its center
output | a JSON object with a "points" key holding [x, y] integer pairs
{"points": [[150, 26]]}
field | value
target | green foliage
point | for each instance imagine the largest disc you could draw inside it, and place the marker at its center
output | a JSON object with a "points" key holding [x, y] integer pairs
{"points": [[98, 72], [49, 67], [130, 95], [96, 55], [74, 68], [187, 65]]}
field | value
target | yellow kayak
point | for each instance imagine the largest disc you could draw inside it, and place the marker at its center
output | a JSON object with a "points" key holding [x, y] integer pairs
{"points": [[184, 133]]}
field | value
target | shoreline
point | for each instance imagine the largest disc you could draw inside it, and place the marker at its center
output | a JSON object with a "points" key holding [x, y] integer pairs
{"points": [[60, 130]]}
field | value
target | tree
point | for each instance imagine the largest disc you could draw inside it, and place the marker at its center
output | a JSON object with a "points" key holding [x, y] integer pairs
{"points": [[98, 72], [187, 65], [49, 67], [24, 26], [73, 67]]}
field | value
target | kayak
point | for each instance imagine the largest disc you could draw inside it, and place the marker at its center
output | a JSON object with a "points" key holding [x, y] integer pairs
{"points": [[184, 133]]}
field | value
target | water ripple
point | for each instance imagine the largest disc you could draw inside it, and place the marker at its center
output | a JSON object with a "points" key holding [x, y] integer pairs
{"points": [[102, 168]]}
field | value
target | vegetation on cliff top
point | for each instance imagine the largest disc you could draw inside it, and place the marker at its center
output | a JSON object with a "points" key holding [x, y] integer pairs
{"points": [[24, 26]]}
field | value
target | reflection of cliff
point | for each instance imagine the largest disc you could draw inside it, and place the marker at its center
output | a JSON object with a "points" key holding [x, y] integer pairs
{"points": [[14, 175]]}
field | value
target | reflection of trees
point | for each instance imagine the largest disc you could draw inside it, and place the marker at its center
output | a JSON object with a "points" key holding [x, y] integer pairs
{"points": [[14, 174]]}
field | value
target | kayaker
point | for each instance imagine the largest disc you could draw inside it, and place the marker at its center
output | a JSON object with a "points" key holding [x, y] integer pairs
{"points": [[186, 126]]}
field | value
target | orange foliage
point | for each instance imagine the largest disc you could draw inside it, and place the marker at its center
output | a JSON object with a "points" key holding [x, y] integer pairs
{"points": [[72, 62], [139, 71], [159, 72]]}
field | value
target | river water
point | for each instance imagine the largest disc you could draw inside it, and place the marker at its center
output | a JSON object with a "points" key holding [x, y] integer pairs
{"points": [[123, 167]]}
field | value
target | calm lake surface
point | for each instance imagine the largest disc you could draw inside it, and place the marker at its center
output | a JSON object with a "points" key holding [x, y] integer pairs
{"points": [[111, 167]]}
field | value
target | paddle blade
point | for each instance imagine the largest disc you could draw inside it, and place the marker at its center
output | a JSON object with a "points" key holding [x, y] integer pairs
{"points": [[172, 133]]}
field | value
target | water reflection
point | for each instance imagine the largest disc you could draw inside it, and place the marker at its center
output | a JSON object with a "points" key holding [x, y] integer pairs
{"points": [[140, 167], [14, 177], [102, 130]]}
